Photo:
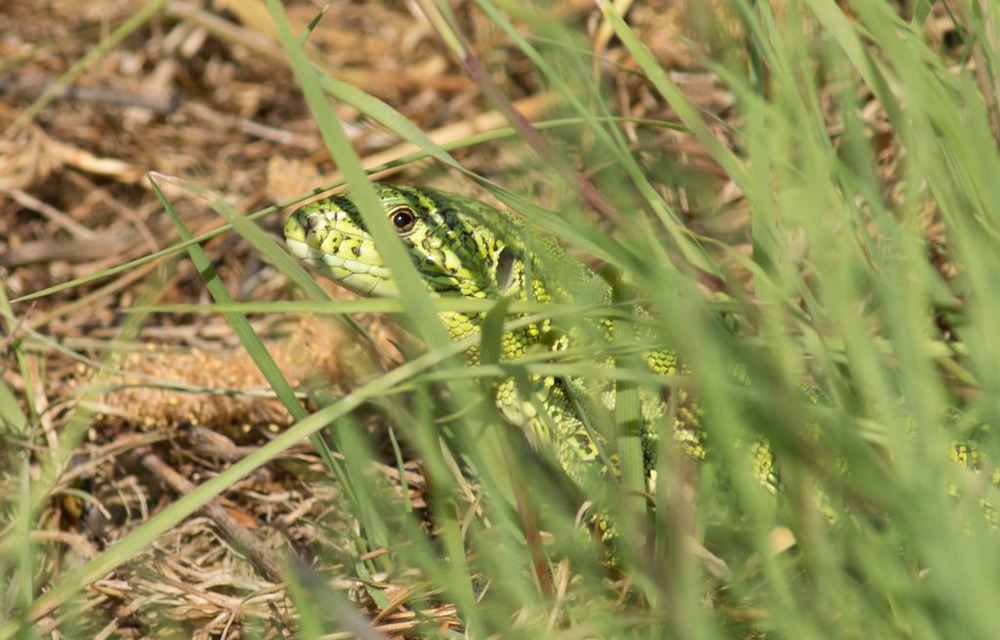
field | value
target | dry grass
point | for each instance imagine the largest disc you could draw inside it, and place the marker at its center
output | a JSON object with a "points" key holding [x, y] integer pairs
{"points": [[206, 95]]}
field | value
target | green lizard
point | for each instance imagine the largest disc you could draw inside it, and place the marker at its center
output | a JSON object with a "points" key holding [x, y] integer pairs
{"points": [[464, 248]]}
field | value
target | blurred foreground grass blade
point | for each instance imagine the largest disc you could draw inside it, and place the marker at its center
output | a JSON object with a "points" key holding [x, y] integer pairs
{"points": [[13, 422], [443, 18], [848, 301], [323, 611], [413, 294], [609, 139], [674, 96], [390, 118], [242, 328], [271, 252]]}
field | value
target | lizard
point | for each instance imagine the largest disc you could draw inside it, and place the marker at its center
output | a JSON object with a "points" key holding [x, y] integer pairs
{"points": [[464, 248]]}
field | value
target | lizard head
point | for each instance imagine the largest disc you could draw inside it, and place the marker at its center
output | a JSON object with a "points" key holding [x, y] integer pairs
{"points": [[461, 247]]}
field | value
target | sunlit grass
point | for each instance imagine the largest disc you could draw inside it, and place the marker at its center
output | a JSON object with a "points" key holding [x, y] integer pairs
{"points": [[851, 381], [850, 352]]}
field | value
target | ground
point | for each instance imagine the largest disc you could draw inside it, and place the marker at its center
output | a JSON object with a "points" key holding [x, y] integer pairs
{"points": [[204, 92]]}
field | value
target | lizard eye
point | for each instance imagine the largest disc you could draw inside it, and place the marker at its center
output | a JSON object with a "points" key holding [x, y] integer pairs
{"points": [[403, 219]]}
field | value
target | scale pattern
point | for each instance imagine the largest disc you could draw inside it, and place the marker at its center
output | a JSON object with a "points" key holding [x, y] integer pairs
{"points": [[464, 248]]}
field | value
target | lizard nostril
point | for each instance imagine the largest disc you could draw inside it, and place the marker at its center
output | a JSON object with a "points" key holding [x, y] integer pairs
{"points": [[312, 222]]}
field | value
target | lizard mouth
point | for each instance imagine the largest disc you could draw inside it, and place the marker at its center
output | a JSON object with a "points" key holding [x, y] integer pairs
{"points": [[362, 278], [304, 252]]}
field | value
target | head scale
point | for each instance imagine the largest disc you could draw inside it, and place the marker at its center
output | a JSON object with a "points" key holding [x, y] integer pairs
{"points": [[460, 246]]}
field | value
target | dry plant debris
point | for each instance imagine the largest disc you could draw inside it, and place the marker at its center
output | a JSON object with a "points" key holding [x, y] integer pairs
{"points": [[203, 92]]}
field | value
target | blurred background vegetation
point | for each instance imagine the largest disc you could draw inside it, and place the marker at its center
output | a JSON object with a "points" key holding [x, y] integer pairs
{"points": [[804, 190]]}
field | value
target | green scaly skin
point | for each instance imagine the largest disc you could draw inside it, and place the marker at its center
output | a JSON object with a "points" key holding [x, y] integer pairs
{"points": [[464, 248]]}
